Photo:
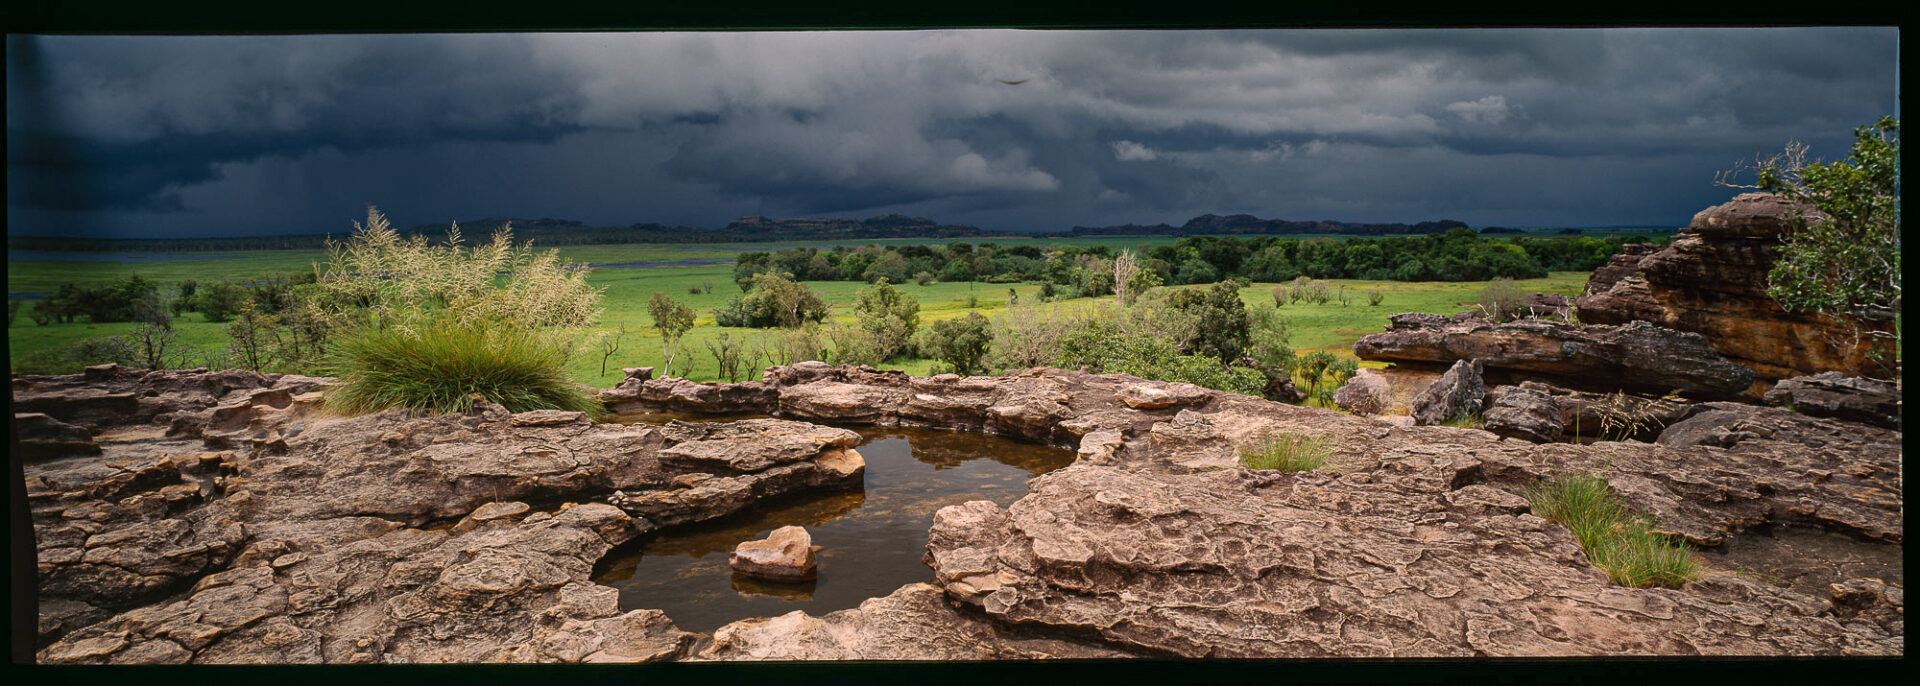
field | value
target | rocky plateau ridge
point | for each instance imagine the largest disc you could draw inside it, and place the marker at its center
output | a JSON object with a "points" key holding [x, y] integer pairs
{"points": [[226, 517]]}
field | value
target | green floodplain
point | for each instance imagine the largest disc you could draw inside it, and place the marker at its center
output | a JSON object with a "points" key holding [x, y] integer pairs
{"points": [[1331, 326]]}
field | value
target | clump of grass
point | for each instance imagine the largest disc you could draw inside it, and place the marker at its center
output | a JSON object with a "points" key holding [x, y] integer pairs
{"points": [[1618, 541], [1285, 452], [1470, 419], [439, 365]]}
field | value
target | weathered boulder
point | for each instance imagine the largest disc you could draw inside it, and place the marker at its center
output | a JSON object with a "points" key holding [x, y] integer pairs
{"points": [[1627, 299], [1829, 394], [1636, 356], [1712, 280], [786, 554], [1523, 413], [1459, 392], [1618, 267], [1367, 393]]}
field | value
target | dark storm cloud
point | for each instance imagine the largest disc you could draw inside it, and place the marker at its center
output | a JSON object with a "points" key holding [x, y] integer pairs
{"points": [[1009, 129], [138, 118]]}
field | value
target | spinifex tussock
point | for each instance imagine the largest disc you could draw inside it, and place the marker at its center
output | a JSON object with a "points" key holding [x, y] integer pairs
{"points": [[1621, 543], [438, 365], [1285, 452]]}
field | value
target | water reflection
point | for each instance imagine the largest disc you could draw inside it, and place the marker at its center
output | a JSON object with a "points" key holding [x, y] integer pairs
{"points": [[872, 540]]}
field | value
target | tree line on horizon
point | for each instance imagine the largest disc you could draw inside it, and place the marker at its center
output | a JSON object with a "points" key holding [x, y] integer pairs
{"points": [[1070, 271], [557, 232]]}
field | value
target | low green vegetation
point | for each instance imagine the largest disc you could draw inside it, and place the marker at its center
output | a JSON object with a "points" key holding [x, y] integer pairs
{"points": [[1618, 541], [1070, 271], [439, 367], [1841, 257], [1285, 452], [1470, 419], [429, 327], [1232, 334]]}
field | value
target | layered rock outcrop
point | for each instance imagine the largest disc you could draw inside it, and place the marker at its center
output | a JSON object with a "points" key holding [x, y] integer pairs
{"points": [[1524, 413], [1712, 280], [1635, 356], [379, 538], [1828, 394], [1416, 541]]}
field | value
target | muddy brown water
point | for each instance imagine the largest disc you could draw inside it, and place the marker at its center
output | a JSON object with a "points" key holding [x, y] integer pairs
{"points": [[872, 539]]}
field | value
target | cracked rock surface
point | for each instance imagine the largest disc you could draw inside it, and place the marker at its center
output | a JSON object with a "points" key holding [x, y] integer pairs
{"points": [[298, 537], [1416, 542], [250, 526]]}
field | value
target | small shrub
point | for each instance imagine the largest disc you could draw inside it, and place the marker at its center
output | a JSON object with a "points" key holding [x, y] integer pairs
{"points": [[218, 301], [1622, 418], [1285, 452], [799, 344], [1469, 419], [439, 365], [72, 358], [731, 356], [1374, 298], [1501, 300], [1616, 540], [923, 278]]}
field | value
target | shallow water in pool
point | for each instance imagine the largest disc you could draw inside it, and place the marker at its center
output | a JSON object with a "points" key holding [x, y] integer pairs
{"points": [[872, 539]]}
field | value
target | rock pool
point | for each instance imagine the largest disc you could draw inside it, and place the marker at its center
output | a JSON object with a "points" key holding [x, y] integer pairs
{"points": [[871, 539]]}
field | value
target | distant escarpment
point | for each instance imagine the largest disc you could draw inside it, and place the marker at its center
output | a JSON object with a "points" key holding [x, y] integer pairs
{"points": [[1712, 280], [1238, 224]]}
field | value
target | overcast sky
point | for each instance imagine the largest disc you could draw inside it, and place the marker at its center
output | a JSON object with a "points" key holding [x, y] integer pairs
{"points": [[1003, 129]]}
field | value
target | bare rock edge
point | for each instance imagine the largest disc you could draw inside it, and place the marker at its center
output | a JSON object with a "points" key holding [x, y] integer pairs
{"points": [[308, 538]]}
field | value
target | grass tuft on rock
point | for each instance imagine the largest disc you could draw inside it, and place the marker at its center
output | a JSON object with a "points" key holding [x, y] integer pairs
{"points": [[1285, 452], [438, 366], [1618, 541]]}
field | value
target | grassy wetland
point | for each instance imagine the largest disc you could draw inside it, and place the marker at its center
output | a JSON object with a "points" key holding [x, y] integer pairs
{"points": [[704, 286]]}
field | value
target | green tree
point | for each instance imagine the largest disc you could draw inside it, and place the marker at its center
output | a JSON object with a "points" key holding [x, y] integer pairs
{"points": [[1221, 331], [772, 299], [960, 343], [888, 316], [219, 301], [1841, 253], [673, 320]]}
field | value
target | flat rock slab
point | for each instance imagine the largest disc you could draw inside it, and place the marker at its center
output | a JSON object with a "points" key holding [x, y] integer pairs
{"points": [[1237, 564]]}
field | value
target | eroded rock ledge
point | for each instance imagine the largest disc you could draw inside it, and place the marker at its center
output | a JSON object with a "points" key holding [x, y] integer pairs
{"points": [[1712, 280], [1636, 356], [294, 536], [1416, 543], [303, 540]]}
